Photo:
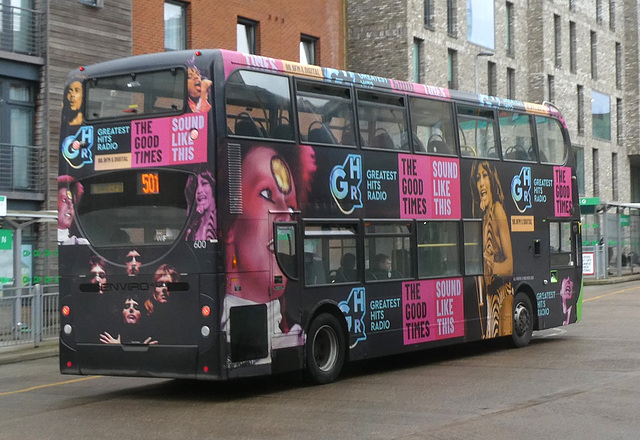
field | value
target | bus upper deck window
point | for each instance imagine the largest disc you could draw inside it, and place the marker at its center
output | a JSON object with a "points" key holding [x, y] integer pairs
{"points": [[383, 121], [136, 94]]}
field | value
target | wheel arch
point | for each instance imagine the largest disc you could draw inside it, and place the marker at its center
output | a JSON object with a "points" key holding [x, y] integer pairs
{"points": [[528, 290], [332, 309]]}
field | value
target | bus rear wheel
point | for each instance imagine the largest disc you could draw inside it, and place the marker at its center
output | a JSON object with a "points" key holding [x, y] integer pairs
{"points": [[325, 349], [522, 320]]}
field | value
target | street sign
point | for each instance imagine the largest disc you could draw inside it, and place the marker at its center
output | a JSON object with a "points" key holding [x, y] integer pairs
{"points": [[6, 239]]}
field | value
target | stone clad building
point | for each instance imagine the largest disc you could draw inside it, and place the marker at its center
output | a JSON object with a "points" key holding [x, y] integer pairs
{"points": [[580, 55]]}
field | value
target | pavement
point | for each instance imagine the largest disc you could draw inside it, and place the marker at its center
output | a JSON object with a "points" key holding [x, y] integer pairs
{"points": [[28, 352]]}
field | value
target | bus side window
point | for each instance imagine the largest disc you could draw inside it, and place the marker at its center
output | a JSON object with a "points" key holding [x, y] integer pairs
{"points": [[325, 113], [258, 105], [432, 126], [516, 136], [561, 244], [438, 249], [550, 141], [383, 121], [477, 132], [388, 251], [330, 254]]}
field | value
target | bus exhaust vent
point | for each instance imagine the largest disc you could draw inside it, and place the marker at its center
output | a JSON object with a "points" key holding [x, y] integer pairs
{"points": [[235, 178]]}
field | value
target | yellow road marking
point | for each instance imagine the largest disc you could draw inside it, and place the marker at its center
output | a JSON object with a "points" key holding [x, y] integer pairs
{"points": [[66, 382], [609, 294]]}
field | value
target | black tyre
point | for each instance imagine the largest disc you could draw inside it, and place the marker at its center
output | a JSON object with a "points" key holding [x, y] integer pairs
{"points": [[522, 320], [325, 349]]}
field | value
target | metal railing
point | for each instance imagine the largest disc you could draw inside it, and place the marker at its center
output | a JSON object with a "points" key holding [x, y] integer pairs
{"points": [[29, 315], [19, 166], [22, 30]]}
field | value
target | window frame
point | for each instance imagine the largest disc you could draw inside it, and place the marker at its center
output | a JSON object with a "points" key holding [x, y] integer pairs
{"points": [[182, 28]]}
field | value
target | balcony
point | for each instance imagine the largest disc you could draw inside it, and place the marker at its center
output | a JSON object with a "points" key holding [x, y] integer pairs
{"points": [[22, 33], [21, 170]]}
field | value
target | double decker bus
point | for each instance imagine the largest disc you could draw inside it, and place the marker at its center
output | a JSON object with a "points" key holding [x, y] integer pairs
{"points": [[224, 215]]}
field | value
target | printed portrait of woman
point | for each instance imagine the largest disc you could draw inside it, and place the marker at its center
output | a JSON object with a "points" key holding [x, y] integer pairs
{"points": [[201, 207], [494, 288], [197, 89], [72, 104], [274, 185]]}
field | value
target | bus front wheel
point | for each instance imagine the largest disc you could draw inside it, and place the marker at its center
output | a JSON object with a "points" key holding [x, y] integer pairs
{"points": [[325, 349], [522, 320]]}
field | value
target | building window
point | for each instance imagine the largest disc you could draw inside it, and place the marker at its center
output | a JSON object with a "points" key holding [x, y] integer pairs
{"points": [[579, 156], [551, 86], [614, 175], [308, 50], [428, 14], [175, 26], [417, 60], [246, 36], [595, 171], [619, 126], [601, 116], [612, 15], [481, 23], [18, 27], [572, 5], [572, 47], [557, 32], [511, 83], [509, 36], [452, 18], [492, 82], [452, 69], [599, 11], [580, 106], [594, 55], [618, 66], [17, 109]]}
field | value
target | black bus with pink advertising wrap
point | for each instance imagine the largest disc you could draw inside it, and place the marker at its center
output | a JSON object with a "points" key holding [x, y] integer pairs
{"points": [[225, 215]]}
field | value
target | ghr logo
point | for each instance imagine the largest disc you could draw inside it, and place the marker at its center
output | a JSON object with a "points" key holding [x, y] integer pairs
{"points": [[345, 181], [354, 309], [521, 189], [76, 149]]}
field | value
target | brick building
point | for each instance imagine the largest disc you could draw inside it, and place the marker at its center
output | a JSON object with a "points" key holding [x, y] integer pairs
{"points": [[580, 55], [273, 28]]}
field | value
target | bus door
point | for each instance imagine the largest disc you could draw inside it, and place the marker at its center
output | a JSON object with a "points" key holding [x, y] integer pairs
{"points": [[556, 306], [285, 279]]}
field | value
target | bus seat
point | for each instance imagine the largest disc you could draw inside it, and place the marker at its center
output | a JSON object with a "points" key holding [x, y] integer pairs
{"points": [[246, 127], [438, 146], [313, 269], [321, 135], [282, 131], [383, 140]]}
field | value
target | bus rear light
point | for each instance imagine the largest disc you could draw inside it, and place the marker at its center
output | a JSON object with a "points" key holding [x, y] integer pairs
{"points": [[69, 364], [206, 311], [67, 329], [66, 310], [234, 262], [205, 331], [205, 369]]}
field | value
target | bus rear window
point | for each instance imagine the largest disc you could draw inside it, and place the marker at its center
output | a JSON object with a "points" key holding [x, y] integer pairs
{"points": [[136, 94], [140, 207]]}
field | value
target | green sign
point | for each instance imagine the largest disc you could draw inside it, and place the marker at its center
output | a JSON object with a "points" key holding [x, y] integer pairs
{"points": [[624, 220], [589, 201], [6, 239]]}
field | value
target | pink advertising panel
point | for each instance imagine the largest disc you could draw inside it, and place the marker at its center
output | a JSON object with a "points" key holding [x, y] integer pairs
{"points": [[432, 310], [429, 187], [562, 202], [169, 141]]}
